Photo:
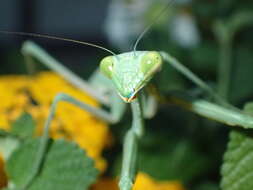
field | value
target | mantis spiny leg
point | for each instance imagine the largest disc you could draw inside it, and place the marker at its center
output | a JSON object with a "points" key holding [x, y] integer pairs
{"points": [[30, 49], [194, 78], [128, 171], [215, 112]]}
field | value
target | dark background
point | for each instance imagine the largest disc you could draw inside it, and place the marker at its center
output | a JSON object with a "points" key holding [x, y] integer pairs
{"points": [[79, 19]]}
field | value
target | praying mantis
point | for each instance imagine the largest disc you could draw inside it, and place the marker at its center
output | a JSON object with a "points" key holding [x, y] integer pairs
{"points": [[122, 80]]}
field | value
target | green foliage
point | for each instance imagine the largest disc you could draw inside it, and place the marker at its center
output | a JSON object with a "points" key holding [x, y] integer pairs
{"points": [[8, 144], [169, 162], [238, 162], [65, 167], [242, 75], [24, 126], [208, 186]]}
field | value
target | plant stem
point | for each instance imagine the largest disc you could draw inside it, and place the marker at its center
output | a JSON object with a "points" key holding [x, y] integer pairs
{"points": [[225, 67]]}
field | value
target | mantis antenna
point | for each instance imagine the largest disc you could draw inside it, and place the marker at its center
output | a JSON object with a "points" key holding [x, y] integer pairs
{"points": [[147, 28], [58, 38]]}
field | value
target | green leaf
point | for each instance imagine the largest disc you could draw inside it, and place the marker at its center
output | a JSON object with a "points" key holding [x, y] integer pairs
{"points": [[237, 169], [65, 167], [24, 126], [7, 145]]}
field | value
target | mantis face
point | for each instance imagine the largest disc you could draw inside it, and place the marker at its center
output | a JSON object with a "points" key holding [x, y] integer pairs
{"points": [[131, 71]]}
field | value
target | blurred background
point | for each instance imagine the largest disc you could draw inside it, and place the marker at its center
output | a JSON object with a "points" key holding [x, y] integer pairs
{"points": [[199, 33], [79, 20]]}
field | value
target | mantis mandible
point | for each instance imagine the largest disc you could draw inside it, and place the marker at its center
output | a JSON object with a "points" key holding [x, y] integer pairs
{"points": [[126, 75]]}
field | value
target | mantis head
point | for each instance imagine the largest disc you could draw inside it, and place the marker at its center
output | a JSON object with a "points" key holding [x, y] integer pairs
{"points": [[131, 71]]}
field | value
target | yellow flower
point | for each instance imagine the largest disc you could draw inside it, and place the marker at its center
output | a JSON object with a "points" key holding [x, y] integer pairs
{"points": [[105, 184], [3, 121], [143, 182], [50, 84], [11, 91], [35, 94]]}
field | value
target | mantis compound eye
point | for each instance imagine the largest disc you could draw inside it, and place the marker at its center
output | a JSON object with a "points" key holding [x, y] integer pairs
{"points": [[151, 62], [106, 66]]}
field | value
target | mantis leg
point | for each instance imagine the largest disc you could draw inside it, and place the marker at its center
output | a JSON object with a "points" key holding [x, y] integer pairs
{"points": [[128, 172], [215, 112], [228, 114], [30, 49], [194, 78], [110, 117], [149, 105]]}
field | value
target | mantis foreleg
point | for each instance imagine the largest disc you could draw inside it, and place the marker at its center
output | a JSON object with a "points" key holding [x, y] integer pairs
{"points": [[116, 106], [228, 114], [110, 117], [30, 49], [215, 112], [149, 105], [194, 78], [128, 171]]}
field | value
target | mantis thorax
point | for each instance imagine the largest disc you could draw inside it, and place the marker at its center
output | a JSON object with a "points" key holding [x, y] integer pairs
{"points": [[131, 71]]}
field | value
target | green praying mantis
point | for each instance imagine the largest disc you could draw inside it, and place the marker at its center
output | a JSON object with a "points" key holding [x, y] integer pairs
{"points": [[122, 80]]}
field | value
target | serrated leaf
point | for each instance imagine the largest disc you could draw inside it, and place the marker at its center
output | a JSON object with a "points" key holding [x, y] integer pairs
{"points": [[65, 167], [24, 126], [237, 170]]}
